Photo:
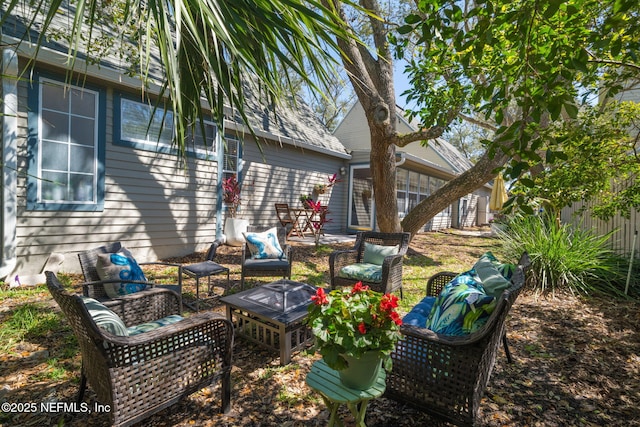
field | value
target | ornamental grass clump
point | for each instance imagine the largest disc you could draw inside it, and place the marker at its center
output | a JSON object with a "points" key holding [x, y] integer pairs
{"points": [[353, 322]]}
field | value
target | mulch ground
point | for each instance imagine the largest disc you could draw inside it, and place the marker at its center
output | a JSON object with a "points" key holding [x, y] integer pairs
{"points": [[576, 363]]}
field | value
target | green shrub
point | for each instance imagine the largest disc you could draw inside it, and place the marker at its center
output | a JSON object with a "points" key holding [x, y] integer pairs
{"points": [[563, 257]]}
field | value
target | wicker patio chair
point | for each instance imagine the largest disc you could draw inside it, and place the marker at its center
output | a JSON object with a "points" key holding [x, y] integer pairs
{"points": [[142, 374], [391, 280], [446, 376], [267, 267], [94, 286]]}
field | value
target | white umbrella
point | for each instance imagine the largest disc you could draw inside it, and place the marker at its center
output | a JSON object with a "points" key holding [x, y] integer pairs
{"points": [[498, 194]]}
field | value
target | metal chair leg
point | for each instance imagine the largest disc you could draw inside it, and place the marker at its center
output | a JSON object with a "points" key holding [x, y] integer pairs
{"points": [[505, 343], [83, 387]]}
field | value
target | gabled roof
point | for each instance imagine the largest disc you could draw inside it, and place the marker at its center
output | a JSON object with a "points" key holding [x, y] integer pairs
{"points": [[440, 152], [294, 125], [446, 150]]}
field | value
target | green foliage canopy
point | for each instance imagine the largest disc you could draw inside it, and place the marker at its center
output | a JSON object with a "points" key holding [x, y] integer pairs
{"points": [[208, 49], [526, 67]]}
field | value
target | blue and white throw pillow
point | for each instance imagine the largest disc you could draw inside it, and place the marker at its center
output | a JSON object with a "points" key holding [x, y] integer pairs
{"points": [[264, 245], [120, 265], [462, 307]]}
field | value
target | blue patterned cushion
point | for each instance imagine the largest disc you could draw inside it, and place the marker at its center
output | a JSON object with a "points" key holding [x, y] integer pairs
{"points": [[123, 266], [493, 275], [419, 313], [362, 271], [105, 318], [375, 254], [461, 308], [264, 245], [150, 326]]}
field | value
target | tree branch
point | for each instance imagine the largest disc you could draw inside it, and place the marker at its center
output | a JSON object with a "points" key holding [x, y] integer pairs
{"points": [[421, 135]]}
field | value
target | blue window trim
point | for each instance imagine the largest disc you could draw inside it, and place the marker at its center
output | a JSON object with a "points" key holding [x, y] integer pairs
{"points": [[33, 97], [220, 206], [148, 146]]}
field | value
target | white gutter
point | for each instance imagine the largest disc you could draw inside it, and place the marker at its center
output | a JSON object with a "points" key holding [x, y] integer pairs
{"points": [[403, 158], [106, 71], [9, 161]]}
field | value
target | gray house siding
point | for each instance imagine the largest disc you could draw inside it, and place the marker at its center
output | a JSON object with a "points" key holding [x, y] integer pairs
{"points": [[155, 206], [158, 206], [146, 197], [280, 175]]}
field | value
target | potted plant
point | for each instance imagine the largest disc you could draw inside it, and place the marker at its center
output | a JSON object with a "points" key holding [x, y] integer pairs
{"points": [[233, 226], [320, 188], [353, 327], [305, 199]]}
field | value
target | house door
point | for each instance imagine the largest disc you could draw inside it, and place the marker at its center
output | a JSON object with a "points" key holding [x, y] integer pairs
{"points": [[361, 206]]}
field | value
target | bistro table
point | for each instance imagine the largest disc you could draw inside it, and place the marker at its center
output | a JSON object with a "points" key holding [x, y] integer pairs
{"points": [[272, 315], [301, 221], [307, 220]]}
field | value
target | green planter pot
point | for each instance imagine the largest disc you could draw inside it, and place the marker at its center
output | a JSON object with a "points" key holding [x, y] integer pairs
{"points": [[361, 372]]}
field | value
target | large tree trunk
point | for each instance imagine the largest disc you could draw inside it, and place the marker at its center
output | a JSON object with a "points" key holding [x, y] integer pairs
{"points": [[383, 171], [372, 80]]}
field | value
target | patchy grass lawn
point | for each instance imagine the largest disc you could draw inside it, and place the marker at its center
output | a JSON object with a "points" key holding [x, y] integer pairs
{"points": [[577, 360]]}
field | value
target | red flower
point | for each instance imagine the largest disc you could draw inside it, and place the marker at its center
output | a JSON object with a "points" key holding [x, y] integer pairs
{"points": [[358, 287], [320, 297], [362, 328], [396, 318], [388, 302]]}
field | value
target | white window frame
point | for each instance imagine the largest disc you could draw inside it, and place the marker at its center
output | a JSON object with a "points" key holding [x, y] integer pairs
{"points": [[94, 173]]}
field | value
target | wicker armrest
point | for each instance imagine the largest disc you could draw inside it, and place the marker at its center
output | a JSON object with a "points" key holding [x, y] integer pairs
{"points": [[438, 281], [87, 285], [288, 252], [201, 327]]}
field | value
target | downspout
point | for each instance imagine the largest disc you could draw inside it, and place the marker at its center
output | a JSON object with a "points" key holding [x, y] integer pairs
{"points": [[9, 161], [218, 188], [403, 158]]}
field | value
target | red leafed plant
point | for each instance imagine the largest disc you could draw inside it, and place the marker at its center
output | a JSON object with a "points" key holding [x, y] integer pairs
{"points": [[231, 194]]}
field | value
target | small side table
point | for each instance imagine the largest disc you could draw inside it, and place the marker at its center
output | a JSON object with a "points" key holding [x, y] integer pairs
{"points": [[205, 269], [326, 382]]}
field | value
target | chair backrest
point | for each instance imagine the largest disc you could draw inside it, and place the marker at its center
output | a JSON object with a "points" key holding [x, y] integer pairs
{"points": [[283, 213], [87, 333], [282, 236], [382, 239], [88, 261]]}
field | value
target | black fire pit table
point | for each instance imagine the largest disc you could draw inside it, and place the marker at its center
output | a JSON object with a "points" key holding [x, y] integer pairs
{"points": [[272, 315]]}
